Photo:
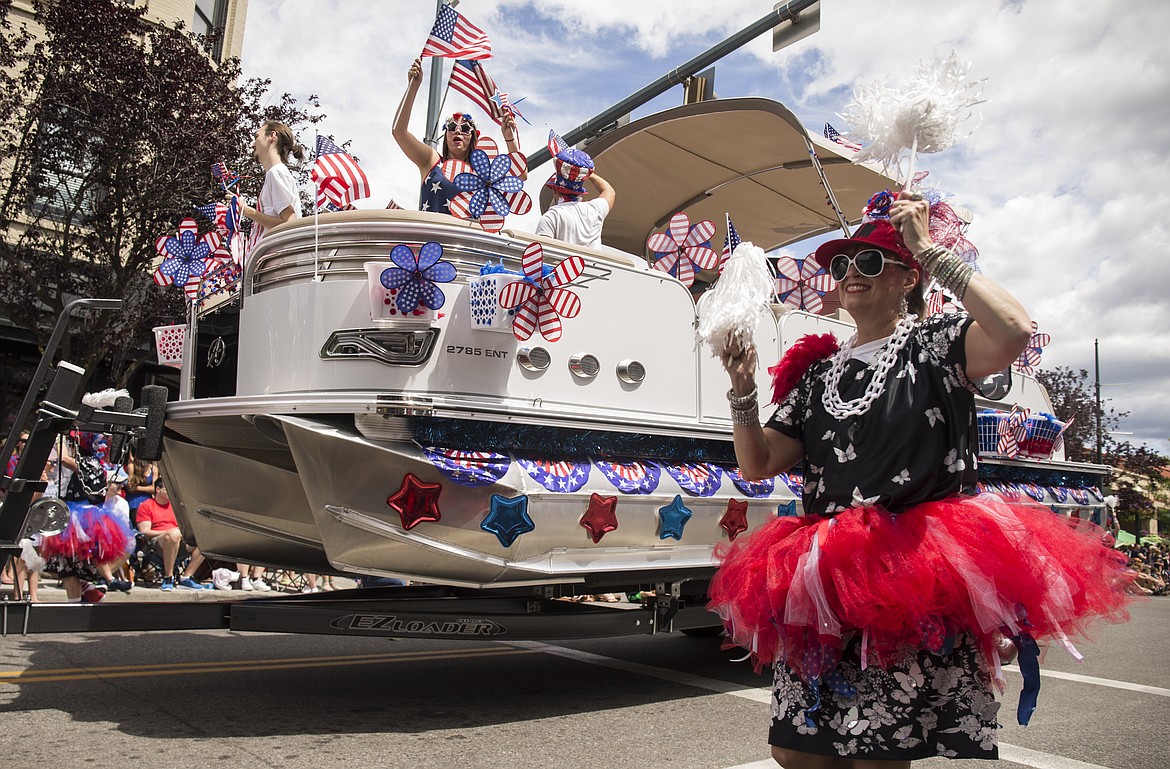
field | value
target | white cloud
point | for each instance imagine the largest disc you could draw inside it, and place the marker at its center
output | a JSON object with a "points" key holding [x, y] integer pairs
{"points": [[1066, 172]]}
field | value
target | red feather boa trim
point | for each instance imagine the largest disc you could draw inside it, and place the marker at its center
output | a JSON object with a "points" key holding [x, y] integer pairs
{"points": [[808, 350]]}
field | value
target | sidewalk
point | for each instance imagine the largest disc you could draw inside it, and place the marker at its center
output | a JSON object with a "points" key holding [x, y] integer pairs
{"points": [[50, 591]]}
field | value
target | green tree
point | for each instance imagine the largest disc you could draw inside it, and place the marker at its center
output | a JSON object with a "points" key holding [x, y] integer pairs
{"points": [[1139, 483], [1073, 399], [108, 127]]}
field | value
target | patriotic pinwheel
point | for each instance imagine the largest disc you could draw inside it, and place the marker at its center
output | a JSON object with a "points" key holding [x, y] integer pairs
{"points": [[415, 276], [802, 283], [490, 189], [1030, 357], [186, 257], [1012, 429], [539, 300], [683, 248]]}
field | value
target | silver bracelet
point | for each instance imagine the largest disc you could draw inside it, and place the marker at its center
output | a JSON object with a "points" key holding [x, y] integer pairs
{"points": [[745, 417], [740, 400], [951, 272]]}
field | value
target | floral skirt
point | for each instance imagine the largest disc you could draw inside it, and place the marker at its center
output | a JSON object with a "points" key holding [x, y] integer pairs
{"points": [[927, 705]]}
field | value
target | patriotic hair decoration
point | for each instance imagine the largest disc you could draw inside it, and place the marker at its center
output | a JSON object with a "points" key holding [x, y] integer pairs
{"points": [[541, 300], [682, 248], [415, 276], [802, 283]]}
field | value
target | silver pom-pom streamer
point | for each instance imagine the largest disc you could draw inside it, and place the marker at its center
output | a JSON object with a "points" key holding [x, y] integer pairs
{"points": [[921, 116], [733, 308]]}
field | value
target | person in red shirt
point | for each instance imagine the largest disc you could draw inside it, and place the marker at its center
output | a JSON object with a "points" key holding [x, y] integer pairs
{"points": [[156, 519]]}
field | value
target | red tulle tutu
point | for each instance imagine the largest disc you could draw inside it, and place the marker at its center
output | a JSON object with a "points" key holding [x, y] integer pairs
{"points": [[93, 535], [975, 565]]}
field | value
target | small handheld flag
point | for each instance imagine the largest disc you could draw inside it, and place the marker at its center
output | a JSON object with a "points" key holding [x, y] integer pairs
{"points": [[454, 37]]}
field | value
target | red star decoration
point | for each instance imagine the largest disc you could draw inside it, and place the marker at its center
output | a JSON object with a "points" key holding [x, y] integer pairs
{"points": [[416, 501], [734, 521], [601, 517]]}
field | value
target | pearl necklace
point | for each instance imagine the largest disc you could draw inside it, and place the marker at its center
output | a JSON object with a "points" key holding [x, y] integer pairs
{"points": [[831, 399]]}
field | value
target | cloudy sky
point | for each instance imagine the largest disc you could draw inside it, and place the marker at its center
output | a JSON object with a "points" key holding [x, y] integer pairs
{"points": [[1067, 170]]}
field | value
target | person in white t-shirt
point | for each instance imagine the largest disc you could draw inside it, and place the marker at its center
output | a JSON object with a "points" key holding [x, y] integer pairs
{"points": [[571, 218], [279, 199]]}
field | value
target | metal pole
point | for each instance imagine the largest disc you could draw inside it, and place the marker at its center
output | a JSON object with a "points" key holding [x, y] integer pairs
{"points": [[677, 76], [435, 92], [1097, 381]]}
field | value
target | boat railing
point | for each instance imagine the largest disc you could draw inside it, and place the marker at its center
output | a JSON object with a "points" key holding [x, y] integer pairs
{"points": [[344, 241]]}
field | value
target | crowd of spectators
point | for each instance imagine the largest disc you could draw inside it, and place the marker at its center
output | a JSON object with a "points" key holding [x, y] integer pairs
{"points": [[1151, 561]]}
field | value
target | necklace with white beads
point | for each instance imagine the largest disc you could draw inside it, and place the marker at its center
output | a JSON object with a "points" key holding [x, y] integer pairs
{"points": [[831, 399]]}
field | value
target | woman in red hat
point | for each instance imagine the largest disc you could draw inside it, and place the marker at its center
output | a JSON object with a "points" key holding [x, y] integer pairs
{"points": [[886, 607], [460, 136]]}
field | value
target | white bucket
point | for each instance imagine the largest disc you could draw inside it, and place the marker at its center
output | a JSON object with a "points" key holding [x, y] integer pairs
{"points": [[382, 300], [169, 342]]}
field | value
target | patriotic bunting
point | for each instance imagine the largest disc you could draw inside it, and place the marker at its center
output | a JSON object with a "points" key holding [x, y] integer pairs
{"points": [[469, 468]]}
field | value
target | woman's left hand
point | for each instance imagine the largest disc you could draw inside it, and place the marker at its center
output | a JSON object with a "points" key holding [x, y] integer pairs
{"points": [[910, 216]]}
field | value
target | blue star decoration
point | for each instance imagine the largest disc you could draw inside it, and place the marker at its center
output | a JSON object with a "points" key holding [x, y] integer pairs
{"points": [[601, 517], [416, 501], [508, 519], [673, 518], [787, 509]]}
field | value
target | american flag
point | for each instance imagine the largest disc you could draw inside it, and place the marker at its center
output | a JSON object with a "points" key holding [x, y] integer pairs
{"points": [[833, 135], [393, 205], [220, 172], [556, 145], [469, 78], [729, 244], [338, 177], [454, 37]]}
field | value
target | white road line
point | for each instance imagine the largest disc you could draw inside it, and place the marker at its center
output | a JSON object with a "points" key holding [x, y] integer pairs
{"points": [[1098, 681], [1012, 753], [700, 682], [1035, 758]]}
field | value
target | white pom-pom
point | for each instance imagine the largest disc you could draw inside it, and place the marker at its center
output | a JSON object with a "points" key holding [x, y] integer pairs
{"points": [[923, 114], [32, 559], [732, 309], [103, 399]]}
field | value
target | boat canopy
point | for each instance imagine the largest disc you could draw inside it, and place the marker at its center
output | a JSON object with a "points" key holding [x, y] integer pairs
{"points": [[748, 157]]}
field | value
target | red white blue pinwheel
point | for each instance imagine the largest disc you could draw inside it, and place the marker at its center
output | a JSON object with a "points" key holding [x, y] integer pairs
{"points": [[683, 248], [802, 282], [226, 219], [486, 190], [540, 300], [415, 276], [1030, 357], [186, 257]]}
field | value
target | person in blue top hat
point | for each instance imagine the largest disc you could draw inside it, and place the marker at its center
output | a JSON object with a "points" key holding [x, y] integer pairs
{"points": [[571, 218]]}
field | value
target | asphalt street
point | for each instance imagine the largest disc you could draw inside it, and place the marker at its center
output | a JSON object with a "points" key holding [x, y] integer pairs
{"points": [[222, 698]]}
